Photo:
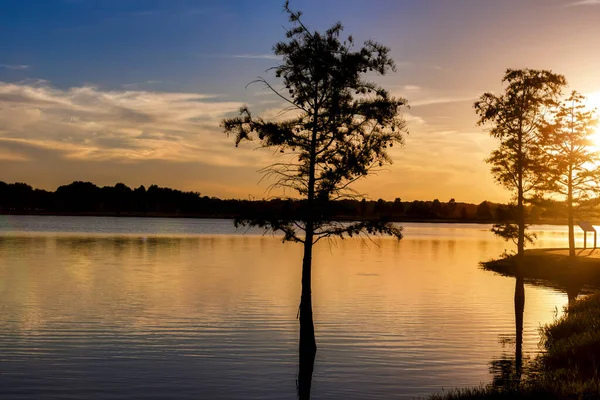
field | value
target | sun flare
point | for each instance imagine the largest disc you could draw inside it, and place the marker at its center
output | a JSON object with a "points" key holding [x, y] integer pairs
{"points": [[594, 104]]}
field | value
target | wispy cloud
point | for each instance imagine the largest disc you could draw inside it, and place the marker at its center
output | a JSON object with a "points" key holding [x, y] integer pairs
{"points": [[14, 66], [257, 56], [413, 120], [140, 84], [440, 100], [88, 123], [410, 64], [583, 3]]}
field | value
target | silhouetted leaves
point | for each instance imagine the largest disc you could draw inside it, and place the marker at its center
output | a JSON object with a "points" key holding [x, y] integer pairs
{"points": [[341, 129], [570, 157], [516, 117]]}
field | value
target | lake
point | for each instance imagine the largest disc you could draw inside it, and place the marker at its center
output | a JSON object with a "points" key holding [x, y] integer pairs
{"points": [[134, 308]]}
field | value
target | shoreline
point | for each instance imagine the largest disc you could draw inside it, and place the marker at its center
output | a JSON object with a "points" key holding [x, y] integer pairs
{"points": [[339, 218], [553, 267]]}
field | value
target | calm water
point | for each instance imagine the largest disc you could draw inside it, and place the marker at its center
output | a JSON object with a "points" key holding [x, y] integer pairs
{"points": [[118, 308]]}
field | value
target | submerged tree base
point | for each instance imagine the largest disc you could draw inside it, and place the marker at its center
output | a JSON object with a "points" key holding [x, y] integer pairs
{"points": [[554, 267]]}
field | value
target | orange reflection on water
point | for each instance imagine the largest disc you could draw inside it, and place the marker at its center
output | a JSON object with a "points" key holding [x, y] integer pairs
{"points": [[418, 313]]}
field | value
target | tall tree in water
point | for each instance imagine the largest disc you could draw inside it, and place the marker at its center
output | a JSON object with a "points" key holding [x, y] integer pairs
{"points": [[571, 156], [515, 118], [339, 129]]}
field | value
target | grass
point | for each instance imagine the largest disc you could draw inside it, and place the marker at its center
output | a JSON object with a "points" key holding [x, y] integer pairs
{"points": [[568, 368]]}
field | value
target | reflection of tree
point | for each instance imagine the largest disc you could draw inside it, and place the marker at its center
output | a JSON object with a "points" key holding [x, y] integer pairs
{"points": [[305, 371], [573, 288], [503, 371], [519, 309], [508, 370]]}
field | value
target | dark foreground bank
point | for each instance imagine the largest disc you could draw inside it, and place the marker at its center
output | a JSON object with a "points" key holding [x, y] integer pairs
{"points": [[568, 367]]}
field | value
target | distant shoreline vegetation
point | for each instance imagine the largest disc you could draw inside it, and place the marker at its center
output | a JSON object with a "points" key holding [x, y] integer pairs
{"points": [[87, 199]]}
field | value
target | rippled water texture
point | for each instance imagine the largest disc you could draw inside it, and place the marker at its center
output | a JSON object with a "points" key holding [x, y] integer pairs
{"points": [[109, 308]]}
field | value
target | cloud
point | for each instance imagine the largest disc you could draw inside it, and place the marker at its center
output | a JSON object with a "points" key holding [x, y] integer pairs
{"points": [[50, 136], [439, 100], [421, 96], [137, 85], [584, 3], [13, 66], [410, 64], [88, 123], [413, 120], [6, 155], [257, 56]]}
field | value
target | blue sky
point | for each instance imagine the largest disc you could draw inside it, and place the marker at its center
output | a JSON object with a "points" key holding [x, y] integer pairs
{"points": [[184, 44], [133, 90]]}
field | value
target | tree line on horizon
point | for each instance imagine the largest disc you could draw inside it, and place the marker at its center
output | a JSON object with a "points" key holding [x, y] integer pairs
{"points": [[87, 198]]}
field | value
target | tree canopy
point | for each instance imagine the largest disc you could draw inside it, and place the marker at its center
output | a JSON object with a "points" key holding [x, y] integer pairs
{"points": [[570, 155], [571, 160], [338, 126], [515, 118]]}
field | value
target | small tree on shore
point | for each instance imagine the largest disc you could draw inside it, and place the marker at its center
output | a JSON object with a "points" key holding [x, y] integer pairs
{"points": [[571, 157], [340, 130], [515, 118]]}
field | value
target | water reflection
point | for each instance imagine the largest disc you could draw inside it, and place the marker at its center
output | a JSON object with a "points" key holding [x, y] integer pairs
{"points": [[305, 371], [519, 310], [215, 316], [509, 369]]}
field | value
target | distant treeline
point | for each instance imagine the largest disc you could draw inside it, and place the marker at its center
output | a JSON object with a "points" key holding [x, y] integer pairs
{"points": [[85, 198]]}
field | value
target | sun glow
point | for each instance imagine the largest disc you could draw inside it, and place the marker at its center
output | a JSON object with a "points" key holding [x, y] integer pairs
{"points": [[593, 102]]}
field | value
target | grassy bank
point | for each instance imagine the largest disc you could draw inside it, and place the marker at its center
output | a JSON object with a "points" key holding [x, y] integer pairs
{"points": [[568, 368]]}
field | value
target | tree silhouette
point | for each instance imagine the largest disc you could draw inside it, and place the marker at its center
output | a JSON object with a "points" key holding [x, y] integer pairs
{"points": [[573, 163], [436, 208], [397, 207], [484, 211], [449, 208], [516, 117], [419, 209], [340, 130], [86, 198]]}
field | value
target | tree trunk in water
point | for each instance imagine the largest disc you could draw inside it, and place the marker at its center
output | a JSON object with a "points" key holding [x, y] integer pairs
{"points": [[307, 329], [519, 309], [520, 200], [308, 345], [571, 233], [571, 218], [305, 371], [521, 223]]}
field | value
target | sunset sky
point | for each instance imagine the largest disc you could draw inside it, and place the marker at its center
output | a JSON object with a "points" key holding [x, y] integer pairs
{"points": [[133, 91]]}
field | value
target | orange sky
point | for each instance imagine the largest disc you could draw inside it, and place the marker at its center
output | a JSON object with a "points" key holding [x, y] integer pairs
{"points": [[104, 110]]}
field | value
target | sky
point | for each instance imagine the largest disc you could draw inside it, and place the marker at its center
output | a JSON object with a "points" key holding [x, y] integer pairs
{"points": [[133, 91]]}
